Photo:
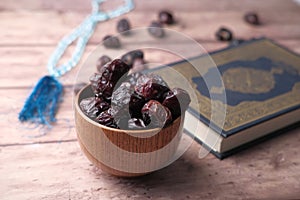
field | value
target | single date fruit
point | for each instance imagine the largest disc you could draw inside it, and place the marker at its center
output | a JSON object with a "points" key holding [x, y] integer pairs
{"points": [[135, 123], [102, 61], [136, 104], [151, 87], [155, 29], [111, 42], [224, 34], [121, 96], [101, 104], [123, 26], [115, 70], [177, 100], [106, 118], [165, 17], [131, 56], [252, 18], [105, 81], [155, 115], [93, 106]]}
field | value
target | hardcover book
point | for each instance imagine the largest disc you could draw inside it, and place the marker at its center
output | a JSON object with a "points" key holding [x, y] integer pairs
{"points": [[262, 86]]}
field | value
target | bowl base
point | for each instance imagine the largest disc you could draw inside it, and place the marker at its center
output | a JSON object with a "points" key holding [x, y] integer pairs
{"points": [[104, 167]]}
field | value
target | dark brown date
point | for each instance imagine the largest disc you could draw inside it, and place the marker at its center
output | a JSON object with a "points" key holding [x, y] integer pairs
{"points": [[104, 82], [106, 118], [224, 34], [121, 96], [123, 26], [94, 79], [177, 100], [153, 91], [165, 17], [93, 106], [131, 56], [111, 42], [135, 123], [136, 104], [115, 70], [252, 18], [101, 104], [155, 115], [155, 29], [102, 61], [151, 86]]}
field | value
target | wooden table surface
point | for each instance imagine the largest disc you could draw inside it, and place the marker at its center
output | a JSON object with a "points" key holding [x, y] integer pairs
{"points": [[50, 165]]}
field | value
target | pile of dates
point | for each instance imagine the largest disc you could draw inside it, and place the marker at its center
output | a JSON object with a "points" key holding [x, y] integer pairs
{"points": [[132, 101]]}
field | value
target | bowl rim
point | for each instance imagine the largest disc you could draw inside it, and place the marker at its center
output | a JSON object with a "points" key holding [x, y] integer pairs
{"points": [[78, 109]]}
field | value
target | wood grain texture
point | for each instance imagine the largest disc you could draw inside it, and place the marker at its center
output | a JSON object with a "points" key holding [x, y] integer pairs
{"points": [[52, 166], [198, 25], [33, 59], [153, 5], [61, 171], [14, 133]]}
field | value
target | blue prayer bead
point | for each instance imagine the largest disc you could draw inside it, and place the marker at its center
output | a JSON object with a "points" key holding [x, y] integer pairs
{"points": [[82, 34]]}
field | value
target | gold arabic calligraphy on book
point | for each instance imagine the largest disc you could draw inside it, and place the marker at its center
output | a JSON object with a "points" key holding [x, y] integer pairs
{"points": [[259, 82]]}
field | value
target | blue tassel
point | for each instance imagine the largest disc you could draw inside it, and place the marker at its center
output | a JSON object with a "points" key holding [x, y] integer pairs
{"points": [[41, 106]]}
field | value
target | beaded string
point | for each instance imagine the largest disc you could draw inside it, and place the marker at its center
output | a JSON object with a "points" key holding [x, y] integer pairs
{"points": [[82, 34], [42, 104]]}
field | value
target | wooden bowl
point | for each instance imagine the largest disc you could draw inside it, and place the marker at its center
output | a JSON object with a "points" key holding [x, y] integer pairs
{"points": [[125, 153]]}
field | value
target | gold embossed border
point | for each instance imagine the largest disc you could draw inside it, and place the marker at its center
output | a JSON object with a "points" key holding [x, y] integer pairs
{"points": [[251, 111]]}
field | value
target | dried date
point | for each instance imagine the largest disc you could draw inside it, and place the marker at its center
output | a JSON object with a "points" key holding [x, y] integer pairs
{"points": [[224, 34], [111, 42], [104, 82], [131, 56], [252, 18], [155, 115], [151, 86], [136, 104], [165, 17], [135, 123], [102, 61], [123, 26], [177, 100], [106, 118], [93, 106], [155, 29], [121, 96]]}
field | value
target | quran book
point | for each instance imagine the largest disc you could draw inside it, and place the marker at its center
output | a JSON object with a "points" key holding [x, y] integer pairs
{"points": [[262, 87]]}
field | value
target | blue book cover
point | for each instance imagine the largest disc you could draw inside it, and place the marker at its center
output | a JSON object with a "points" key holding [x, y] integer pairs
{"points": [[261, 80]]}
